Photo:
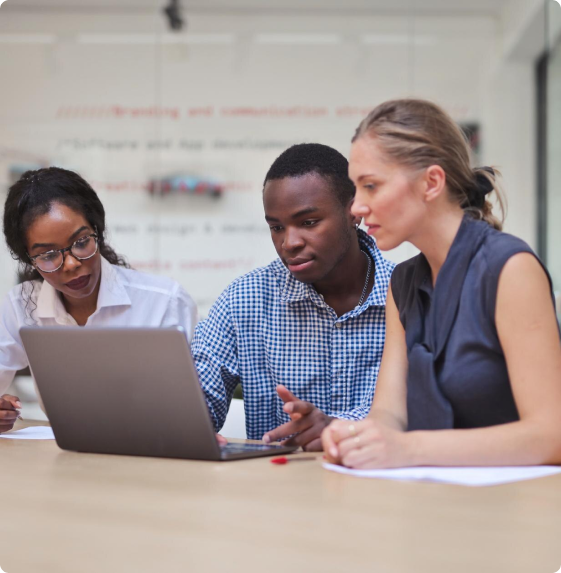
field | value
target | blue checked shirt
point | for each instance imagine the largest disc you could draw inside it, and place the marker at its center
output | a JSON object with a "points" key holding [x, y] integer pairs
{"points": [[267, 328]]}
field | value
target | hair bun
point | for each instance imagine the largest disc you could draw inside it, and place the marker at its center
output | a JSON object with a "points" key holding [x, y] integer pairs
{"points": [[484, 184]]}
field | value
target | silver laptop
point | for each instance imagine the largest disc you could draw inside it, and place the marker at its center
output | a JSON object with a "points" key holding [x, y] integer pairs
{"points": [[132, 391]]}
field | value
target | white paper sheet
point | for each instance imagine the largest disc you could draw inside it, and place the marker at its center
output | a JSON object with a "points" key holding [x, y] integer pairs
{"points": [[31, 433], [460, 476]]}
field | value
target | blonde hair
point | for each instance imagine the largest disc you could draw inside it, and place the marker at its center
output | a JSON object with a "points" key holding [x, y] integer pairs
{"points": [[418, 134]]}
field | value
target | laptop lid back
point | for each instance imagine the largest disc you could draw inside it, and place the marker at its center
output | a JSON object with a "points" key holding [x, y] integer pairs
{"points": [[128, 391]]}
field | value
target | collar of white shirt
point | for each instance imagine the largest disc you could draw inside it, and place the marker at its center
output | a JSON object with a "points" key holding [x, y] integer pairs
{"points": [[111, 293]]}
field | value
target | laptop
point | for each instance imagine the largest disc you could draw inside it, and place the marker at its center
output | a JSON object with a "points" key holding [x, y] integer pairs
{"points": [[129, 391]]}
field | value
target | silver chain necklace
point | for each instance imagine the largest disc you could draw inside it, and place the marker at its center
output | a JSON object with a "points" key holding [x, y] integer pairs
{"points": [[367, 279]]}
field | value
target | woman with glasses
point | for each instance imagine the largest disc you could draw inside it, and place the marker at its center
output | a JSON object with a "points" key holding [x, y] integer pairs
{"points": [[54, 225]]}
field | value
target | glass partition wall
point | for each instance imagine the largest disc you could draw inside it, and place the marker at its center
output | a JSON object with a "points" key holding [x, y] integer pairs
{"points": [[550, 223], [176, 129]]}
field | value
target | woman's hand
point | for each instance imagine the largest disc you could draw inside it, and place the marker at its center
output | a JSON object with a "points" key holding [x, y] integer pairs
{"points": [[367, 444], [9, 412]]}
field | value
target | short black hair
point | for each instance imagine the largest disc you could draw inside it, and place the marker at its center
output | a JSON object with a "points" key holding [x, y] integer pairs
{"points": [[327, 162]]}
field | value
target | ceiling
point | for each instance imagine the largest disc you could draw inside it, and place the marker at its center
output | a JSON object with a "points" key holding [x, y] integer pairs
{"points": [[482, 7]]}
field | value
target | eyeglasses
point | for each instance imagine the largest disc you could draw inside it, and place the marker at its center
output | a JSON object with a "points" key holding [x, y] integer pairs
{"points": [[83, 249]]}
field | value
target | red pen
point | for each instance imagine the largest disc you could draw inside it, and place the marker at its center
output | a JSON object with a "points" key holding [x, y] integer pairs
{"points": [[284, 460]]}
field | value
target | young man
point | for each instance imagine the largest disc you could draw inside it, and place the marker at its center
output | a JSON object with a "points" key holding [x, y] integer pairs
{"points": [[304, 335]]}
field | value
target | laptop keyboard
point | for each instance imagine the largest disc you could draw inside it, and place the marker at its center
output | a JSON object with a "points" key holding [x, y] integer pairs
{"points": [[241, 448]]}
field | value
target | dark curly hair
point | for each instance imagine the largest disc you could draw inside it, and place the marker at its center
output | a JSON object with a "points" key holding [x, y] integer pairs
{"points": [[34, 194], [327, 162]]}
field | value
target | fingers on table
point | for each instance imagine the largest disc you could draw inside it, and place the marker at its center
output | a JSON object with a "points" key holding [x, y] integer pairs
{"points": [[329, 444], [9, 402], [305, 439], [6, 427], [314, 446], [8, 416], [354, 437], [292, 427], [8, 419], [342, 437]]}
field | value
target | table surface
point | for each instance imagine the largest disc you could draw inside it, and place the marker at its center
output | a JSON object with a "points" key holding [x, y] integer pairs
{"points": [[85, 513]]}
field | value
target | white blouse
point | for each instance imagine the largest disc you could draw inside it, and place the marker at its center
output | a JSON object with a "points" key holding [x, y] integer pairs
{"points": [[126, 298]]}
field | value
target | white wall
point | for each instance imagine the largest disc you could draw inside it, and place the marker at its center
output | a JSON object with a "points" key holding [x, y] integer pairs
{"points": [[510, 142], [58, 99]]}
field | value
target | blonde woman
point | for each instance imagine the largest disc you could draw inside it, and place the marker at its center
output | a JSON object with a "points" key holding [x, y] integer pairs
{"points": [[471, 370]]}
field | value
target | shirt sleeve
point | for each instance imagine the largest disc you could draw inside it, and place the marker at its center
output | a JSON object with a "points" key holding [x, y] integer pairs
{"points": [[356, 414], [361, 411], [182, 312], [12, 353], [215, 352]]}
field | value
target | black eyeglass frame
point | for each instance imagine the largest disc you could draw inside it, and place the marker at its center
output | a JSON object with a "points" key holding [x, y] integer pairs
{"points": [[66, 250]]}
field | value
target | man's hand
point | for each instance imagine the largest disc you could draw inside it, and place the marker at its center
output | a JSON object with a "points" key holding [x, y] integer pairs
{"points": [[306, 421], [9, 412]]}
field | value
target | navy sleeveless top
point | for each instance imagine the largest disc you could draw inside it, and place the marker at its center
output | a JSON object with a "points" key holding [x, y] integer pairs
{"points": [[457, 375]]}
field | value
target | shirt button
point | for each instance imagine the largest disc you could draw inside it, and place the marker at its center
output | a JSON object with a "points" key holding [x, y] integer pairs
{"points": [[339, 325]]}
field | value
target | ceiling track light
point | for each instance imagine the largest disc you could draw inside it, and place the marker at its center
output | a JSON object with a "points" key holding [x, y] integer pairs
{"points": [[174, 16]]}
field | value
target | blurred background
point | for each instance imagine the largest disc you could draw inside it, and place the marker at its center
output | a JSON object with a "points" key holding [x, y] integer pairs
{"points": [[174, 110]]}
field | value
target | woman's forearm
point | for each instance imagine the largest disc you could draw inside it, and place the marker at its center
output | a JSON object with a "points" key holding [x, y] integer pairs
{"points": [[517, 443], [388, 419]]}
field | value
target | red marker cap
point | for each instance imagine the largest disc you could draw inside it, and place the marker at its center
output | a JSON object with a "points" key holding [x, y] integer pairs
{"points": [[284, 460]]}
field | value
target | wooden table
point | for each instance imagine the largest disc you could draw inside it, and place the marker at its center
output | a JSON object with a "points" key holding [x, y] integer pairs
{"points": [[80, 513]]}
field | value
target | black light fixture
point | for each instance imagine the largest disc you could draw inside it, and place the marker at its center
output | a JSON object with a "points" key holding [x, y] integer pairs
{"points": [[173, 13]]}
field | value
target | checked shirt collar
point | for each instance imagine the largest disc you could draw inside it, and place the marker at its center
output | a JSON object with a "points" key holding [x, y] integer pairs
{"points": [[295, 291]]}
